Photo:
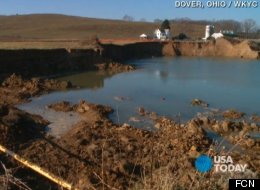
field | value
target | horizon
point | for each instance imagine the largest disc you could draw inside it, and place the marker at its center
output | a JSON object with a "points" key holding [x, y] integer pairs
{"points": [[102, 9], [121, 19]]}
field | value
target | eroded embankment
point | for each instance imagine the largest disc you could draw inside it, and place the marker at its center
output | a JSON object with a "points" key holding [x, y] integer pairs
{"points": [[216, 48], [219, 48], [55, 61], [48, 61], [134, 50]]}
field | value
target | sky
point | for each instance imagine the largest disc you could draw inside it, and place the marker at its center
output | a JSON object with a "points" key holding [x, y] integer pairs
{"points": [[116, 9]]}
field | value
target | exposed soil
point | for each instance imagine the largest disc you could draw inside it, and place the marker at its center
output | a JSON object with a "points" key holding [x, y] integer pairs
{"points": [[31, 62], [115, 67], [198, 102], [18, 127], [239, 134], [16, 89], [96, 153], [233, 114], [97, 149], [218, 48]]}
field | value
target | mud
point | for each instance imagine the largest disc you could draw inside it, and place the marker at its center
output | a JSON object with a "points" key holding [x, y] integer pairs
{"points": [[97, 153], [236, 132], [115, 67], [16, 89], [233, 114], [18, 127], [92, 112], [198, 102]]}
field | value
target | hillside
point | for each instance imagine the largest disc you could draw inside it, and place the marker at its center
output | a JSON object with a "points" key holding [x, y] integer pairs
{"points": [[52, 26]]}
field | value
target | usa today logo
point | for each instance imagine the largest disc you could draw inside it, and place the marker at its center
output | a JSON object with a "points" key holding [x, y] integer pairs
{"points": [[222, 164]]}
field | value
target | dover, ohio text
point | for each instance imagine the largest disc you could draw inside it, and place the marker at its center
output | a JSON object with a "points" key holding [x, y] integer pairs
{"points": [[217, 4]]}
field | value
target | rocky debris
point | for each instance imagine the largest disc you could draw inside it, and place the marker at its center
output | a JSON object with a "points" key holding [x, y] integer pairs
{"points": [[255, 118], [13, 81], [157, 125], [193, 153], [85, 108], [164, 122], [226, 127], [243, 140], [16, 89], [63, 106], [119, 155], [193, 128], [233, 114], [236, 132], [141, 111], [97, 151], [153, 116], [35, 84], [198, 102], [117, 67]]}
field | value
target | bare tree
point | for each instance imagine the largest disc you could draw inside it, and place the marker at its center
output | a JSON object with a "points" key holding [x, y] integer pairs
{"points": [[230, 25], [128, 18], [249, 25]]}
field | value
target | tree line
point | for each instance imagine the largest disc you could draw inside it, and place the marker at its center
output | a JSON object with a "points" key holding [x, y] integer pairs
{"points": [[246, 26]]}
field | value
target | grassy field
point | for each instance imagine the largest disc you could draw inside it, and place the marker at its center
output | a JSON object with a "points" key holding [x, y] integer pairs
{"points": [[61, 27]]}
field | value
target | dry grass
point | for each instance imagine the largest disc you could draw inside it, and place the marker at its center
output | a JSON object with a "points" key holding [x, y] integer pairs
{"points": [[43, 45], [48, 26], [48, 31], [8, 181]]}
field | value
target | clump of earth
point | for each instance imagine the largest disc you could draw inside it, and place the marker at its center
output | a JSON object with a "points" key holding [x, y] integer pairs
{"points": [[99, 154]]}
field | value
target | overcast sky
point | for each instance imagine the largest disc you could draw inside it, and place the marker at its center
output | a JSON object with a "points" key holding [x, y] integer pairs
{"points": [[116, 9]]}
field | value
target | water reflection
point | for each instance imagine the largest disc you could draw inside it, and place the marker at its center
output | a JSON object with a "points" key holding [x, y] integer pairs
{"points": [[90, 79], [167, 86]]}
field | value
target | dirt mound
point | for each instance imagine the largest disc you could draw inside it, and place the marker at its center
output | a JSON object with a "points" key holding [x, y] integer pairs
{"points": [[83, 107], [198, 102], [239, 133], [63, 106], [116, 67], [97, 153], [102, 153], [16, 89], [18, 127], [35, 84], [240, 50], [216, 48], [233, 114]]}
